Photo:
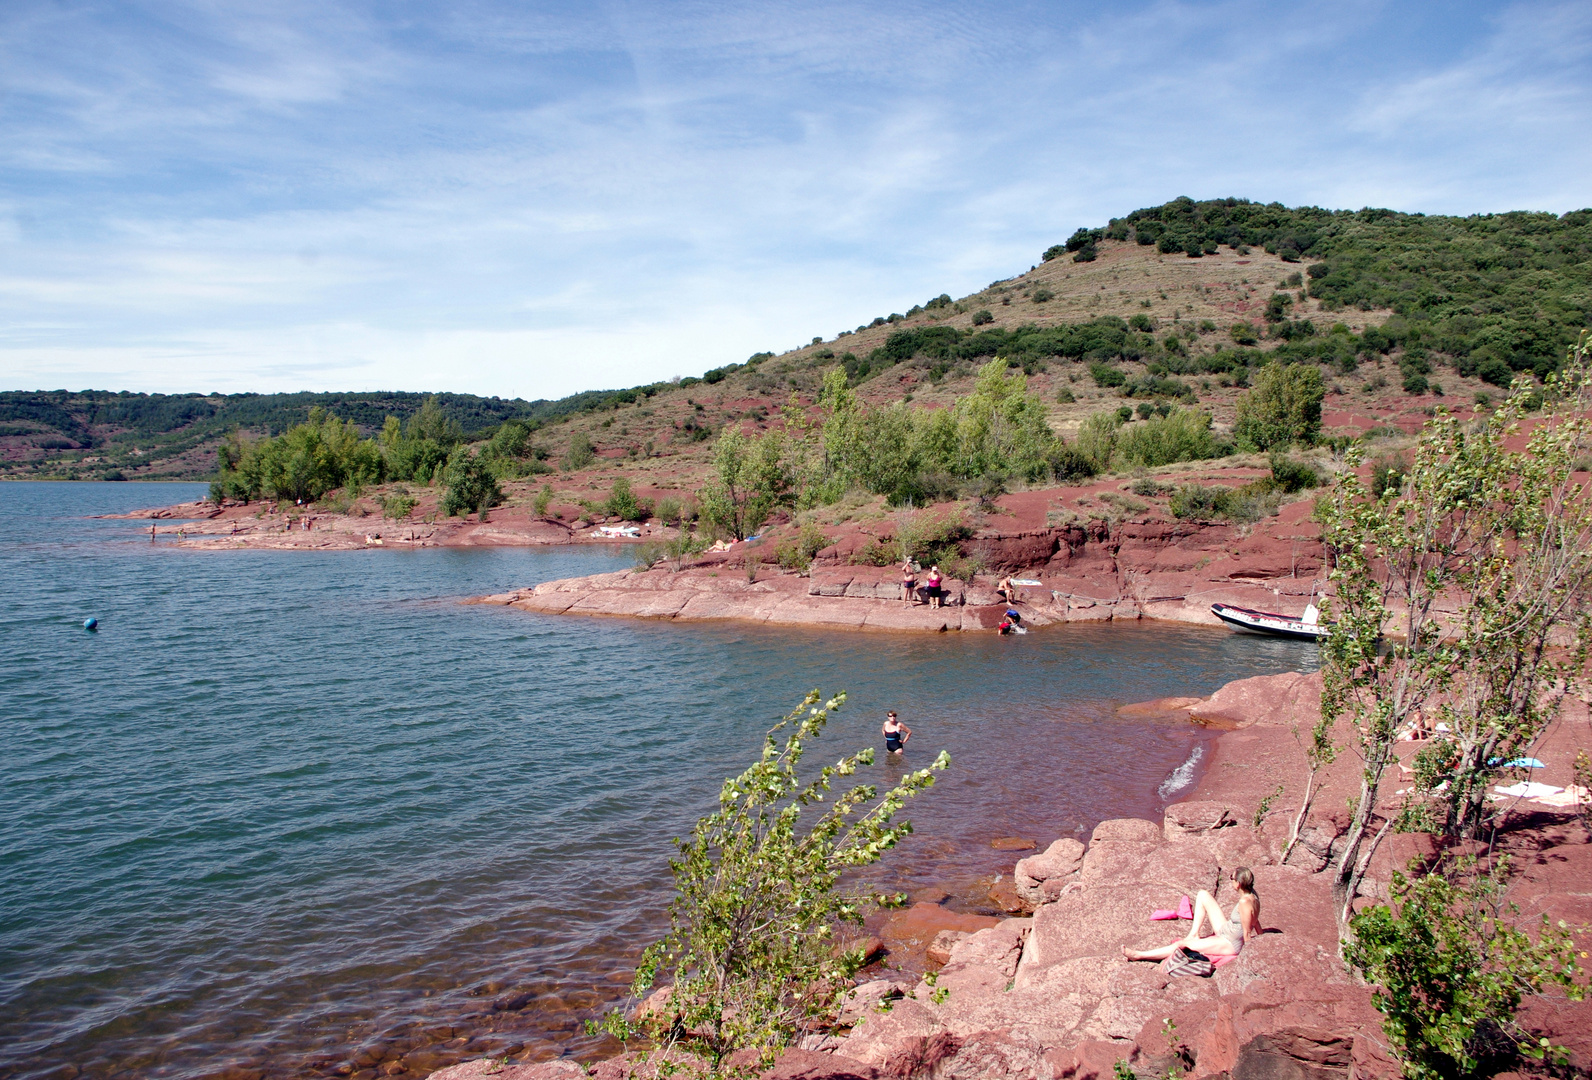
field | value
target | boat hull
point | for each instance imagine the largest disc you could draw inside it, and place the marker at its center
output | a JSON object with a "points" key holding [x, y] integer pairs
{"points": [[1267, 623]]}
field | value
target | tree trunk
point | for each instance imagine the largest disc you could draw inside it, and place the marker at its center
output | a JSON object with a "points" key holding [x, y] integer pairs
{"points": [[1299, 818]]}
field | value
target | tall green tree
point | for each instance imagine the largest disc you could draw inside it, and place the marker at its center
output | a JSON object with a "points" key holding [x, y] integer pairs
{"points": [[1461, 592]]}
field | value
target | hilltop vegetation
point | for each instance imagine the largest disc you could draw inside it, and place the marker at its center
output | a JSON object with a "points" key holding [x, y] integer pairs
{"points": [[1163, 318]]}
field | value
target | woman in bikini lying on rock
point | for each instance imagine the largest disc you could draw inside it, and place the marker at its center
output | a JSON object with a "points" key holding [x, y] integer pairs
{"points": [[1227, 934]]}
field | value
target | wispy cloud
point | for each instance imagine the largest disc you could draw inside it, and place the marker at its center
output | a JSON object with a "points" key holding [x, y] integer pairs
{"points": [[199, 196]]}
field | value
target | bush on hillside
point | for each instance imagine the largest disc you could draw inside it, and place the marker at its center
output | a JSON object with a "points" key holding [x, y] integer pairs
{"points": [[623, 504], [1283, 407], [1105, 375], [1180, 435], [1291, 475], [580, 453]]}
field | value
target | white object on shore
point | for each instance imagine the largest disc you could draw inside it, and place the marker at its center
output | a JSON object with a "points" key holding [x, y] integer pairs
{"points": [[1529, 789], [613, 531]]}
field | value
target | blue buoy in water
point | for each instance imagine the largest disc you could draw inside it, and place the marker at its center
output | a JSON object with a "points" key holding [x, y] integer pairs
{"points": [[91, 623]]}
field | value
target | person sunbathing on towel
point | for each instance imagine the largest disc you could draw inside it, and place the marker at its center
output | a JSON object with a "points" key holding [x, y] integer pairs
{"points": [[1227, 934]]}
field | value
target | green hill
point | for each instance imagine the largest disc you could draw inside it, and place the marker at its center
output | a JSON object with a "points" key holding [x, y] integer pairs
{"points": [[1485, 296]]}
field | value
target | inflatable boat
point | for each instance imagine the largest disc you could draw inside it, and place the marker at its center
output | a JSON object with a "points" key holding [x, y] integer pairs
{"points": [[1307, 627]]}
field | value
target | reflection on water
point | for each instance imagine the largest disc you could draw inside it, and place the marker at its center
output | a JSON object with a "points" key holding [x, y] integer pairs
{"points": [[285, 805]]}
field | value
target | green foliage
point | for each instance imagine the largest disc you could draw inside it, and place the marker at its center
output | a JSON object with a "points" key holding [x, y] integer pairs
{"points": [[304, 462], [1180, 435], [623, 504], [675, 549], [1065, 396], [751, 954], [982, 317], [1508, 287], [1480, 563], [1105, 375], [543, 500], [1283, 407], [913, 456], [1043, 296], [397, 505], [1243, 334], [669, 510], [1451, 968], [472, 486], [1215, 502], [1097, 439], [752, 476], [1291, 475], [797, 553], [580, 453], [1387, 475]]}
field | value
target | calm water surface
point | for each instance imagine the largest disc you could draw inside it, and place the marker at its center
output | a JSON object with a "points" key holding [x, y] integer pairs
{"points": [[286, 805]]}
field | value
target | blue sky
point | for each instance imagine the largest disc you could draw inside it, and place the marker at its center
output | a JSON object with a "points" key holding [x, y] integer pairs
{"points": [[533, 199]]}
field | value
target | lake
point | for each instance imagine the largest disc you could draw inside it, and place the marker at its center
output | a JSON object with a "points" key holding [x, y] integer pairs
{"points": [[284, 805]]}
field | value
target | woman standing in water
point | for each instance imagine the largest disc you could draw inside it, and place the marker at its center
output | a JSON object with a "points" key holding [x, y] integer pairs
{"points": [[896, 734]]}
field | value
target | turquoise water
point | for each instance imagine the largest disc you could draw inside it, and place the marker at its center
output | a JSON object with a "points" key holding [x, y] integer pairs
{"points": [[284, 805]]}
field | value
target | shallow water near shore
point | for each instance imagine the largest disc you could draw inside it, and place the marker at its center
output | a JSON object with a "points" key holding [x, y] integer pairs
{"points": [[283, 807]]}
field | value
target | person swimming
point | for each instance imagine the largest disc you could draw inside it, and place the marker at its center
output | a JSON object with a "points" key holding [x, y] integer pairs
{"points": [[896, 734]]}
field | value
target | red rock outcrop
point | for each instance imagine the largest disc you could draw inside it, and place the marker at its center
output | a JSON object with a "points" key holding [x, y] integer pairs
{"points": [[1133, 570]]}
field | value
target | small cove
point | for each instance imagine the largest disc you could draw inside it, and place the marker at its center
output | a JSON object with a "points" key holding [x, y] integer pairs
{"points": [[284, 805]]}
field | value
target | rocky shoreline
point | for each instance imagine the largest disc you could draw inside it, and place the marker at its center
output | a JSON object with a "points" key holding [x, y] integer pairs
{"points": [[1090, 572], [1046, 994]]}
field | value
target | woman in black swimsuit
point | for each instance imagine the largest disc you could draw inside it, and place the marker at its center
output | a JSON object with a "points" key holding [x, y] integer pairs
{"points": [[896, 734]]}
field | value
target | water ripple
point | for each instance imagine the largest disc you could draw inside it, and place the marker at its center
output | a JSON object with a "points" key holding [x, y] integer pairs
{"points": [[287, 803]]}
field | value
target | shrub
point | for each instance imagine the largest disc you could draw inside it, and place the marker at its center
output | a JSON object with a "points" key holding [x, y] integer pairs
{"points": [[1243, 334], [771, 856], [668, 510], [623, 504], [1387, 475], [580, 453], [1283, 407], [1087, 253], [1054, 251], [982, 317], [1451, 968], [1181, 435], [1141, 322], [797, 552], [1043, 296], [1291, 475], [1415, 383], [1105, 375], [1244, 505], [1065, 396], [1145, 410], [398, 505], [543, 500], [1097, 439]]}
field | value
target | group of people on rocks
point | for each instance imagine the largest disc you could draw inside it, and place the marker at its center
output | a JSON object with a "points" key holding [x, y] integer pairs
{"points": [[932, 591]]}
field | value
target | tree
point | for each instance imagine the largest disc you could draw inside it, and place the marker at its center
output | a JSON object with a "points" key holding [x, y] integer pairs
{"points": [[1460, 591], [752, 957], [472, 486], [1283, 407], [623, 504], [751, 478], [1450, 965]]}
